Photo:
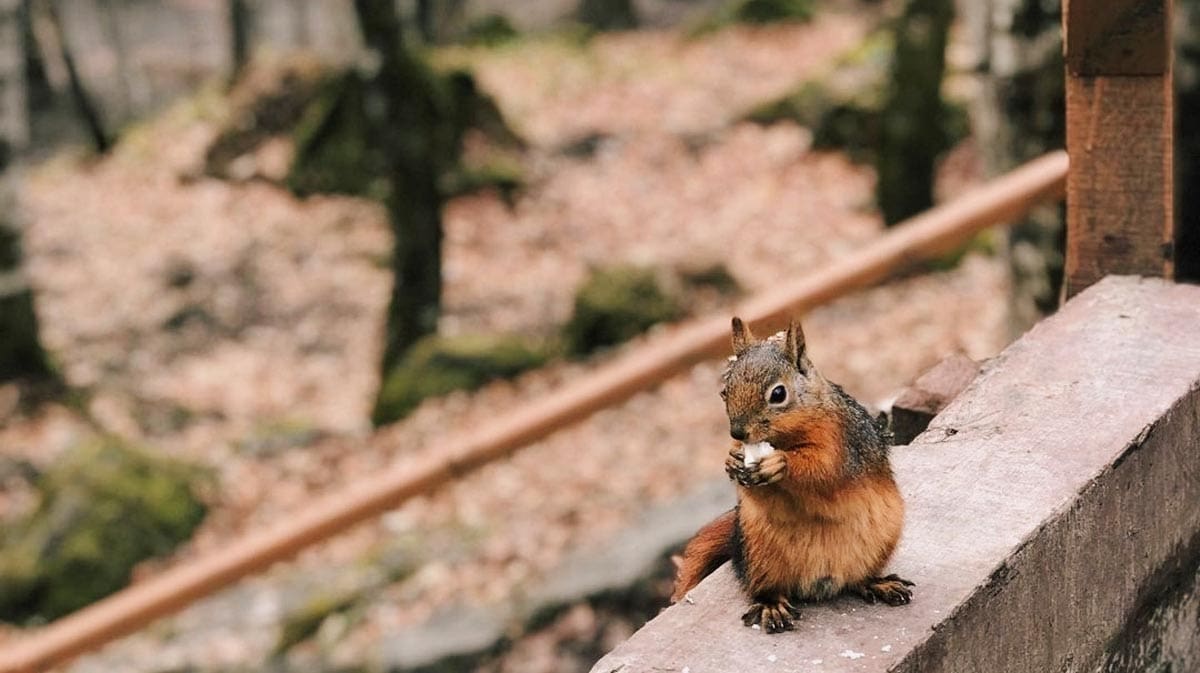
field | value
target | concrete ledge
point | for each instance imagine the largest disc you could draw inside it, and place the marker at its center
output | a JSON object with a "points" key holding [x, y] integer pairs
{"points": [[1053, 518]]}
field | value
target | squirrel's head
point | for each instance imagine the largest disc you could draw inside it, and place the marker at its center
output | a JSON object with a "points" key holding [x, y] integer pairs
{"points": [[765, 380]]}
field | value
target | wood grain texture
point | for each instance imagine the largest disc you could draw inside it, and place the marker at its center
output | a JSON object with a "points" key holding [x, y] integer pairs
{"points": [[1117, 37], [1039, 502], [1120, 197]]}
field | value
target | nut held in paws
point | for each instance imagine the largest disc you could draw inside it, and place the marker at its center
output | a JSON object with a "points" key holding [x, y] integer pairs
{"points": [[756, 452]]}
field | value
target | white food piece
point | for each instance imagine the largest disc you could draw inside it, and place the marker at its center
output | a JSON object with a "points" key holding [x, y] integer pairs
{"points": [[756, 452], [851, 654]]}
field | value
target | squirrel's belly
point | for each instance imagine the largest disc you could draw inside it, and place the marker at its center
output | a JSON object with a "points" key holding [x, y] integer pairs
{"points": [[816, 549]]}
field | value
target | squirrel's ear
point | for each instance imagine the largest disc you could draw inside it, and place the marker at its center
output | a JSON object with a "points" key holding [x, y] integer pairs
{"points": [[741, 336], [794, 344]]}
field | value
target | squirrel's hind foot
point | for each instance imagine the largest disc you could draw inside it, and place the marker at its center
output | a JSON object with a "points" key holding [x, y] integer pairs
{"points": [[772, 616], [892, 590]]}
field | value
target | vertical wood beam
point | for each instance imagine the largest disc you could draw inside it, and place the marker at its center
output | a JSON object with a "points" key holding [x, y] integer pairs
{"points": [[1120, 137]]}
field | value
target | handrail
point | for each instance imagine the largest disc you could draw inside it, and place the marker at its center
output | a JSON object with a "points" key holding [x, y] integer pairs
{"points": [[926, 235]]}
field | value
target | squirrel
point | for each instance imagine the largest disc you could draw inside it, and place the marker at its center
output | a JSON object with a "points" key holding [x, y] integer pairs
{"points": [[818, 515]]}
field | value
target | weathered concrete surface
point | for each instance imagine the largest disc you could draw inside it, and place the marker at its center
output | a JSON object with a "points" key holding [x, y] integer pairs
{"points": [[917, 404], [1046, 505], [1162, 634]]}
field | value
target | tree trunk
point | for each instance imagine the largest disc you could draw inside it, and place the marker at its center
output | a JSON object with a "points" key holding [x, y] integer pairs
{"points": [[607, 14], [239, 37], [1018, 115], [20, 353], [83, 101], [913, 132], [426, 17], [1187, 142], [39, 92], [135, 96], [410, 128]]}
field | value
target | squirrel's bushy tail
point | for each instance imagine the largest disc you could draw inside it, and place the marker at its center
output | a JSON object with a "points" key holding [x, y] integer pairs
{"points": [[711, 547]]}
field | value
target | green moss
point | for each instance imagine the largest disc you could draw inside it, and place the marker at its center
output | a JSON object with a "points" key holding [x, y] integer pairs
{"points": [[333, 151], [491, 30], [843, 108], [607, 14], [615, 304], [715, 276], [304, 622], [983, 243], [500, 173], [21, 355], [268, 103], [104, 507], [772, 11], [438, 365], [754, 12], [847, 108]]}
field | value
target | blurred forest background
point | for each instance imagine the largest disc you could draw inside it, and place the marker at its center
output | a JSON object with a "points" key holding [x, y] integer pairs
{"points": [[251, 250]]}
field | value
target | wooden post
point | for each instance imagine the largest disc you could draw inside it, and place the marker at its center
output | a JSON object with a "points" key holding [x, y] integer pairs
{"points": [[1120, 133]]}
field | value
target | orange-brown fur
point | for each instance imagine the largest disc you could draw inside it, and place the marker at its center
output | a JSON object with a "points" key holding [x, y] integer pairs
{"points": [[815, 546], [819, 515], [704, 554]]}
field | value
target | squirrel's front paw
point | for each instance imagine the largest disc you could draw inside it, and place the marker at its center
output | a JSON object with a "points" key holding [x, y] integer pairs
{"points": [[766, 471], [735, 466]]}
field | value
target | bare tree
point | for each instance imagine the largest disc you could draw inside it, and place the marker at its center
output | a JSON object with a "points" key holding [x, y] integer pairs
{"points": [[913, 130], [239, 36], [84, 105], [409, 125], [21, 354], [1019, 114], [1187, 139]]}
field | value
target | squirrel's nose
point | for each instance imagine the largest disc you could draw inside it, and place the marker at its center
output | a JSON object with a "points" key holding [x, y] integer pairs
{"points": [[738, 431]]}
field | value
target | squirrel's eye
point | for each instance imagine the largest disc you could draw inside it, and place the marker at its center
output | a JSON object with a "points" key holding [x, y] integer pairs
{"points": [[724, 395], [778, 395]]}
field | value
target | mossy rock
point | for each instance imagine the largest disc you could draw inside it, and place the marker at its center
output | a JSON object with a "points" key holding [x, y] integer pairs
{"points": [[616, 304], [437, 365], [105, 507]]}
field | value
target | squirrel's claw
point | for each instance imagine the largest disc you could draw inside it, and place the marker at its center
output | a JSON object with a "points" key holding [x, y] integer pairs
{"points": [[735, 467], [766, 471], [772, 616], [893, 590]]}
